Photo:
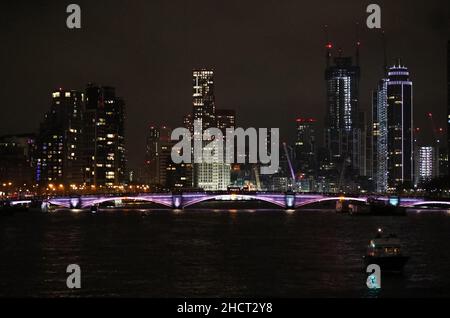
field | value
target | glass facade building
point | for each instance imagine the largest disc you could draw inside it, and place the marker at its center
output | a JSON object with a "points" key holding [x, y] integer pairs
{"points": [[400, 127], [342, 128]]}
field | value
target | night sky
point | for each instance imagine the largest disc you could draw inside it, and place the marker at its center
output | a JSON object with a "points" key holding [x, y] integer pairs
{"points": [[268, 57]]}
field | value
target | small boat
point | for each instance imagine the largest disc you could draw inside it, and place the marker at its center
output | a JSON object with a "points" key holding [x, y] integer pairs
{"points": [[386, 252]]}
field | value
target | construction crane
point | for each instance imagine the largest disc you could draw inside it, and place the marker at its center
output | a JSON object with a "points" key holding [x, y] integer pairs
{"points": [[289, 163], [328, 46], [437, 138], [257, 179]]}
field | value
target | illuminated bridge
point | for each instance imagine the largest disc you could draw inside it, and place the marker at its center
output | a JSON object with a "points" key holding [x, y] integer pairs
{"points": [[184, 200]]}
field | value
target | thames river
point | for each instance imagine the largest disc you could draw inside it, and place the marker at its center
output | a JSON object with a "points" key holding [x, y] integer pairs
{"points": [[217, 253]]}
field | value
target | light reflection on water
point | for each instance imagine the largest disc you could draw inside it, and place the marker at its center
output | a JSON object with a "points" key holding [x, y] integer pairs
{"points": [[217, 252]]}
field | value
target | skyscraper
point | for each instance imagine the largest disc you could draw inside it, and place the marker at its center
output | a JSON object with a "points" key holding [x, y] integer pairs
{"points": [[152, 156], [104, 140], [160, 169], [379, 136], [305, 146], [399, 126], [342, 129], [59, 144], [426, 163], [211, 176], [204, 107]]}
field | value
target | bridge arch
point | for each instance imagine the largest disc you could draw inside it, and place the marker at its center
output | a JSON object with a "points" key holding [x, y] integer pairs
{"points": [[59, 202], [441, 204], [327, 199], [88, 202], [278, 200]]}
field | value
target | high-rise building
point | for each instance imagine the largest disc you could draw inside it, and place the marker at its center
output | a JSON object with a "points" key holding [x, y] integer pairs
{"points": [[226, 118], [379, 136], [204, 107], [104, 141], [159, 167], [426, 159], [152, 156], [400, 127], [215, 175], [342, 128], [159, 147], [165, 164], [442, 162], [59, 143], [306, 152]]}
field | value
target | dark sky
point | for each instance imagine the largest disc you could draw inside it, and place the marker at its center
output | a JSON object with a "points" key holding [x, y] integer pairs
{"points": [[268, 57]]}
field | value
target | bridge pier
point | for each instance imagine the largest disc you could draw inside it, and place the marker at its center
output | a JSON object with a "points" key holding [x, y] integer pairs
{"points": [[75, 203], [177, 201], [44, 206], [289, 200]]}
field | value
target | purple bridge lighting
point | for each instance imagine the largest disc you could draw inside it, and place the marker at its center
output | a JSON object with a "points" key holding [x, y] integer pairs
{"points": [[180, 201]]}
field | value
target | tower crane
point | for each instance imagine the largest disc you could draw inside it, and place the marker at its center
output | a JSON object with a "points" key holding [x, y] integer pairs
{"points": [[289, 163]]}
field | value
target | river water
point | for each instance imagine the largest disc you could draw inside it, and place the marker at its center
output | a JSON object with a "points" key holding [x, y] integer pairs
{"points": [[216, 253]]}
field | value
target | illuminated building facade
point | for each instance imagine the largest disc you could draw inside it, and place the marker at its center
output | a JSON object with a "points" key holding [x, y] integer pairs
{"points": [[400, 126], [204, 107], [59, 143], [426, 163], [104, 140], [152, 156], [160, 169], [342, 129], [215, 175], [379, 136], [306, 152], [442, 162]]}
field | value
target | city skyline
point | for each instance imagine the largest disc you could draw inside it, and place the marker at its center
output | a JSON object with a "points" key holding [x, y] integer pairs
{"points": [[256, 71], [81, 140], [225, 155]]}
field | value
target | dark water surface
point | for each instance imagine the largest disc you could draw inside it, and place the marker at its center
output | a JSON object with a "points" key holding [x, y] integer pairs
{"points": [[212, 253]]}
